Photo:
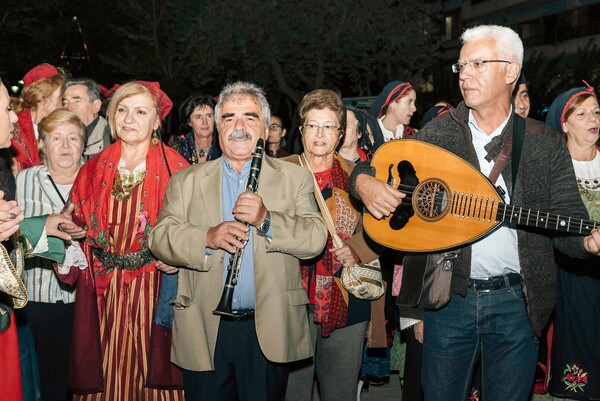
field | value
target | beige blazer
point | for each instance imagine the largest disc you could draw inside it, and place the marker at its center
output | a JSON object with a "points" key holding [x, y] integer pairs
{"points": [[192, 206]]}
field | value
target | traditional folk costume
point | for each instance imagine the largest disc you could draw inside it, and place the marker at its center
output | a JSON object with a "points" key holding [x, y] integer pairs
{"points": [[186, 147], [117, 352], [14, 385], [24, 142], [575, 356]]}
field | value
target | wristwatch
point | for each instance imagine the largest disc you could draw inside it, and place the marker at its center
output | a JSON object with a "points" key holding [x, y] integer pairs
{"points": [[263, 229]]}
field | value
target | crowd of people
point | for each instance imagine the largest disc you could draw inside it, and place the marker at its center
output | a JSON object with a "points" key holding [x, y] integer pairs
{"points": [[127, 245]]}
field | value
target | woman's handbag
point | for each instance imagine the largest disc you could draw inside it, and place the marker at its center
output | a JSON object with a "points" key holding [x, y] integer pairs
{"points": [[362, 281], [426, 280], [10, 277]]}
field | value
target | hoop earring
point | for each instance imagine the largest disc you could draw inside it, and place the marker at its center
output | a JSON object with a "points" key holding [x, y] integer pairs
{"points": [[154, 137]]}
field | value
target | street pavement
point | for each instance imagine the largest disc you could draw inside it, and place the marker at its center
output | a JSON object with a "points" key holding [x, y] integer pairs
{"points": [[387, 392]]}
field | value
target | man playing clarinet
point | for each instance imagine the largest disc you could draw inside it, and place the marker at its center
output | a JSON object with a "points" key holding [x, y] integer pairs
{"points": [[208, 218]]}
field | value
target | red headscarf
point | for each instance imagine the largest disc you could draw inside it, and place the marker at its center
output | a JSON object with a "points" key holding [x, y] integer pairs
{"points": [[39, 72], [164, 102]]}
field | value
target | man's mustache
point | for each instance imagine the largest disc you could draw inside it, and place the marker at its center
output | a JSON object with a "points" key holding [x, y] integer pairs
{"points": [[240, 134]]}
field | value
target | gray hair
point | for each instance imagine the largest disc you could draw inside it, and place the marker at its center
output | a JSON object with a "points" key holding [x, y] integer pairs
{"points": [[92, 87], [241, 88], [508, 42]]}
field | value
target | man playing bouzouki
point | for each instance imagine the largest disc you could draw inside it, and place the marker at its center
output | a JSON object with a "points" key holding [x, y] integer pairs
{"points": [[503, 284]]}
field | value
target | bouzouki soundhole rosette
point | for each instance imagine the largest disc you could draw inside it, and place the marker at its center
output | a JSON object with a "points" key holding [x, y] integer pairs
{"points": [[430, 199]]}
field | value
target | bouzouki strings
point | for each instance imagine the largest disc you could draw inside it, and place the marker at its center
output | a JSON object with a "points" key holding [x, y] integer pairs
{"points": [[518, 213]]}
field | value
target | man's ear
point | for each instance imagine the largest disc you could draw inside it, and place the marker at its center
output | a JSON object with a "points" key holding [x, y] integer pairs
{"points": [[512, 73], [283, 132], [96, 104]]}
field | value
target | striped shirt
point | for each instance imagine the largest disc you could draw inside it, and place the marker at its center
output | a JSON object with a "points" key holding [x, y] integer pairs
{"points": [[39, 197], [233, 184]]}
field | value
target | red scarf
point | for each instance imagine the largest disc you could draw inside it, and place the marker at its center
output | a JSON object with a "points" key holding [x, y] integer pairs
{"points": [[91, 194], [329, 298], [24, 144]]}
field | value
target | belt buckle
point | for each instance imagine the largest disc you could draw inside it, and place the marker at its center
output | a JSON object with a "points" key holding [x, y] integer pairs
{"points": [[493, 283], [483, 285]]}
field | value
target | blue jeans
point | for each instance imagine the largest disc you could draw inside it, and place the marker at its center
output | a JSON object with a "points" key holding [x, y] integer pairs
{"points": [[490, 324]]}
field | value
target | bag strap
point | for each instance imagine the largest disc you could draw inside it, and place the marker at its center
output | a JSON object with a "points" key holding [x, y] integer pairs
{"points": [[337, 242]]}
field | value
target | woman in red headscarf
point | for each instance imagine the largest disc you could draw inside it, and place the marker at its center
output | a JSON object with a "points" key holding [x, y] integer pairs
{"points": [[575, 355], [117, 352], [393, 108], [40, 96]]}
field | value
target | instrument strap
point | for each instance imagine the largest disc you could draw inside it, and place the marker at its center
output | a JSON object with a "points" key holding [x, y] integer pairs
{"points": [[501, 159], [519, 138], [518, 135], [337, 241]]}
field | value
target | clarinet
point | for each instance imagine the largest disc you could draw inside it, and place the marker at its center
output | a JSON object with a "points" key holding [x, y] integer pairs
{"points": [[235, 261]]}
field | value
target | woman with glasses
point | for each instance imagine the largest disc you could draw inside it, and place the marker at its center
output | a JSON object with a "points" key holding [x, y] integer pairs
{"points": [[200, 143], [338, 320], [276, 140]]}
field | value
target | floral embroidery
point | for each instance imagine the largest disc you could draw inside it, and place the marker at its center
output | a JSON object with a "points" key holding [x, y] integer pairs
{"points": [[142, 222], [144, 227], [101, 239], [94, 221], [574, 377]]}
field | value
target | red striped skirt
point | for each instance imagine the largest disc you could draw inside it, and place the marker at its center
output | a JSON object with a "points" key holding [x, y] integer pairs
{"points": [[125, 313]]}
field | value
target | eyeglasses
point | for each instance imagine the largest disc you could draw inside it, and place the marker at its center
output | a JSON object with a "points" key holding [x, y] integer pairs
{"points": [[275, 127], [313, 129], [477, 65]]}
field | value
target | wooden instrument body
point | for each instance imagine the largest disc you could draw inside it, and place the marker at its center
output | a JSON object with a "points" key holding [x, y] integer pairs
{"points": [[453, 203]]}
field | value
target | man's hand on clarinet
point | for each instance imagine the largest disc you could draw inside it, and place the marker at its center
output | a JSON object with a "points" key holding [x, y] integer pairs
{"points": [[227, 236], [378, 197], [249, 208]]}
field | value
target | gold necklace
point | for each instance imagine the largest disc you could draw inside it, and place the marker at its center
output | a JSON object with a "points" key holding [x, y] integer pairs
{"points": [[123, 184], [593, 199]]}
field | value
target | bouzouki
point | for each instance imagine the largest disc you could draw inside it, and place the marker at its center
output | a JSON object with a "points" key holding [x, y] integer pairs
{"points": [[449, 203]]}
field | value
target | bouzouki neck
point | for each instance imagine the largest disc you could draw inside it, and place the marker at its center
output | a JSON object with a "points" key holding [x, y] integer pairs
{"points": [[535, 218]]}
